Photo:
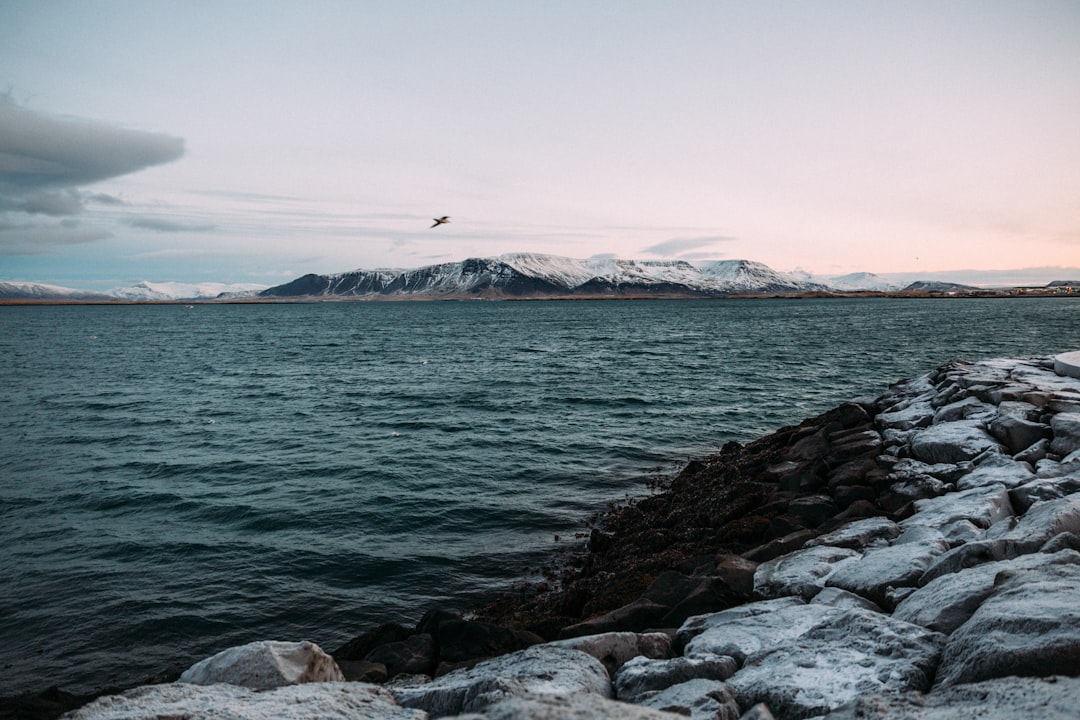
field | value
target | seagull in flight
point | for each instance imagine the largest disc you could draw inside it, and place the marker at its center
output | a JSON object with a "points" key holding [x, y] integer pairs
{"points": [[439, 221]]}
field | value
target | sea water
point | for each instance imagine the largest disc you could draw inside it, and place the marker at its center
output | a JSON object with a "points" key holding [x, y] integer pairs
{"points": [[175, 480]]}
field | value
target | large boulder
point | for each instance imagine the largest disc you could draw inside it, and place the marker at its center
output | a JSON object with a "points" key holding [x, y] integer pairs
{"points": [[314, 701], [463, 640], [802, 572], [950, 600], [840, 657], [1030, 626], [881, 569], [1017, 433], [858, 534], [539, 670], [951, 442], [982, 506], [1066, 428], [1052, 698], [265, 664], [643, 677], [759, 627]]}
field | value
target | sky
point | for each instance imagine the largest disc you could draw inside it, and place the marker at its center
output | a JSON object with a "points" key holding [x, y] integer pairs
{"points": [[253, 142]]}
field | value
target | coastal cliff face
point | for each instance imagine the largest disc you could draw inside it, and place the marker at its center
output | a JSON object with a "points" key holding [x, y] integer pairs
{"points": [[913, 555]]}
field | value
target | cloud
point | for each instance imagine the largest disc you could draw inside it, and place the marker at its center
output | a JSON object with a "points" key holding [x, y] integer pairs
{"points": [[168, 226], [45, 160], [679, 246], [39, 152], [40, 239]]}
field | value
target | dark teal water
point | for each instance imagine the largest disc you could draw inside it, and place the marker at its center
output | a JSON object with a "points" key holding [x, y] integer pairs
{"points": [[177, 480]]}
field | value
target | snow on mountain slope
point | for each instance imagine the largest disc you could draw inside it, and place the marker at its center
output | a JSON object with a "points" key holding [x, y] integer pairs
{"points": [[40, 291], [534, 274], [165, 291]]}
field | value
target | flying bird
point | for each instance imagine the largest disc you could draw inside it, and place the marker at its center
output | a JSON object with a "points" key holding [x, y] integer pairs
{"points": [[439, 221]]}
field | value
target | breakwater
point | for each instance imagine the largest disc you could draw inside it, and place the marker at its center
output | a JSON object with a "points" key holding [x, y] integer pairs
{"points": [[913, 554]]}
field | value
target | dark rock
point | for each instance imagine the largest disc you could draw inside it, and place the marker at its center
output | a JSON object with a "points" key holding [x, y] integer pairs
{"points": [[359, 647], [363, 671], [737, 572], [414, 656], [780, 546], [852, 472], [848, 494], [462, 640], [637, 616], [813, 510], [431, 620]]}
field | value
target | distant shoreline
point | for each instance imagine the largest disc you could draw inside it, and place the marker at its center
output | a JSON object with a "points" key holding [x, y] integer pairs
{"points": [[1007, 293]]}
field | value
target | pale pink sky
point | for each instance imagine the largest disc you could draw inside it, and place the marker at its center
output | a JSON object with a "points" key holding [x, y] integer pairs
{"points": [[268, 140]]}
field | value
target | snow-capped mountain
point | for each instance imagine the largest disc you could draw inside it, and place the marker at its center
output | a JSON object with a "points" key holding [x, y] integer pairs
{"points": [[536, 275], [851, 282], [166, 291], [39, 291]]}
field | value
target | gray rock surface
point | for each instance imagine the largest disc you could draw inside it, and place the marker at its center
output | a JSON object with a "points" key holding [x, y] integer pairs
{"points": [[840, 657], [1029, 626], [265, 664], [643, 677], [739, 636], [951, 442], [802, 572], [539, 670], [1066, 428], [699, 699], [1051, 698], [949, 601], [858, 534], [313, 701], [572, 707]]}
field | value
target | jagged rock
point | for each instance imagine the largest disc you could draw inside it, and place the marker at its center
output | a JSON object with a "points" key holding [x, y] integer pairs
{"points": [[969, 408], [749, 629], [539, 670], [642, 677], [835, 597], [313, 701], [951, 442], [1064, 541], [463, 640], [946, 472], [858, 534], [1019, 409], [1043, 489], [700, 699], [1066, 428], [916, 415], [982, 506], [1038, 451], [802, 572], [573, 707], [1028, 627], [843, 655], [898, 565], [1041, 522], [1051, 698], [948, 601], [615, 649], [852, 472], [414, 656], [1004, 471], [1018, 434], [265, 664]]}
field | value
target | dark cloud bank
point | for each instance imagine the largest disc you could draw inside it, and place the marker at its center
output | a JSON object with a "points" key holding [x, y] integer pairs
{"points": [[45, 160]]}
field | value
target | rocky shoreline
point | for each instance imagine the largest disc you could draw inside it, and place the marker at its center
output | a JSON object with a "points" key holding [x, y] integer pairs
{"points": [[913, 555]]}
